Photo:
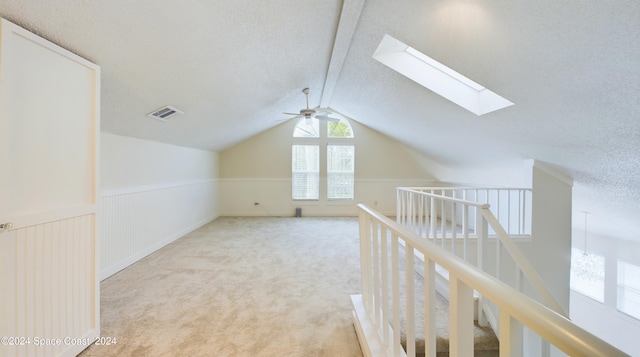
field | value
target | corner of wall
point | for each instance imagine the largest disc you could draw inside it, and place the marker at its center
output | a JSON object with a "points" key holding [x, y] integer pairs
{"points": [[155, 193]]}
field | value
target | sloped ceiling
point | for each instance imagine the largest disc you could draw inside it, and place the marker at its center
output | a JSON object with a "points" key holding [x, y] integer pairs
{"points": [[572, 68]]}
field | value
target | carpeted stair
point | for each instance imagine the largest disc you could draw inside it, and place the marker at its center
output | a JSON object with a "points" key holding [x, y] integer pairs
{"points": [[485, 341]]}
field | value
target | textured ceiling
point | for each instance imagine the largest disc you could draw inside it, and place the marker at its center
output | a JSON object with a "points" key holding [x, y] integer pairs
{"points": [[572, 68]]}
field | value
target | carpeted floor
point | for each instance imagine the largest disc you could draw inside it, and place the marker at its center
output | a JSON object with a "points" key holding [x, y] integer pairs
{"points": [[239, 287]]}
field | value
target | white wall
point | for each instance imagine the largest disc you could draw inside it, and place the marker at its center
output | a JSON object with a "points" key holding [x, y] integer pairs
{"points": [[259, 170], [603, 319], [129, 163], [511, 174], [151, 194], [550, 248]]}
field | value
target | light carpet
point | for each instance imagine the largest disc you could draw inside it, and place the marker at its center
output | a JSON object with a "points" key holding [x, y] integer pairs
{"points": [[239, 287]]}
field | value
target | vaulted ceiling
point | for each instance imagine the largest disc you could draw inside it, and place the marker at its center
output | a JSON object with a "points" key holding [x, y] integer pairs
{"points": [[572, 68]]}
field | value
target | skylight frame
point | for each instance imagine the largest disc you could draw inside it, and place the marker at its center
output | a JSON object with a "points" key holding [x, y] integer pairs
{"points": [[437, 77]]}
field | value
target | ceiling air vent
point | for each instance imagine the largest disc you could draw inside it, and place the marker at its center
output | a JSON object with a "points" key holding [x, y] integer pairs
{"points": [[165, 113]]}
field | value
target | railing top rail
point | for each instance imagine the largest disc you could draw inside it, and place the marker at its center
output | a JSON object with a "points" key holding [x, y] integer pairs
{"points": [[550, 325], [524, 264], [466, 188], [446, 198]]}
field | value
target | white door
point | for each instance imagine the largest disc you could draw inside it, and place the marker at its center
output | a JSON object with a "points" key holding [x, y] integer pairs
{"points": [[49, 117]]}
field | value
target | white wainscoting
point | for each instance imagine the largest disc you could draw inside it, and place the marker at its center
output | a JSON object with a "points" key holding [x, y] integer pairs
{"points": [[238, 195], [53, 286], [137, 222]]}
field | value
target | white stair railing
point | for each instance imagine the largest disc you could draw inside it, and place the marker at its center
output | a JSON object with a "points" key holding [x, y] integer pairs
{"points": [[462, 220], [377, 312], [511, 206]]}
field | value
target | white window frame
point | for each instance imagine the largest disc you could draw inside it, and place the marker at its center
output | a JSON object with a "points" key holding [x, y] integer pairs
{"points": [[590, 280], [352, 172], [323, 142], [312, 175], [628, 290]]}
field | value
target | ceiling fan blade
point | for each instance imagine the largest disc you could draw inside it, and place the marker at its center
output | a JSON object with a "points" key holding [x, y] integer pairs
{"points": [[324, 117], [296, 114]]}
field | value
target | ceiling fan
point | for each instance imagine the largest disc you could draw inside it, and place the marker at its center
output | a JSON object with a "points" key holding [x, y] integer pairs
{"points": [[309, 114]]}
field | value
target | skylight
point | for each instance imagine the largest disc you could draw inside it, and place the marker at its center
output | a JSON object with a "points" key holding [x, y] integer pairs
{"points": [[437, 77]]}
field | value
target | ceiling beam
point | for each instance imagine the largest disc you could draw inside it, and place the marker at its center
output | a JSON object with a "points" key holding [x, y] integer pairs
{"points": [[351, 10]]}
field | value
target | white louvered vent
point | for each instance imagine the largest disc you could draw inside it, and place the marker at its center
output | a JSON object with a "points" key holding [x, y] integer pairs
{"points": [[165, 113]]}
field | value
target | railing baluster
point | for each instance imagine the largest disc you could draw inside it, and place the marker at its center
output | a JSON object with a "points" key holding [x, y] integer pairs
{"points": [[443, 222], [376, 277], [519, 279], [482, 233], [410, 311], [525, 212], [498, 260], [421, 215], [427, 216], [475, 211], [498, 203], [546, 348], [460, 317], [454, 227], [429, 307], [365, 253], [510, 336], [384, 253], [520, 211], [412, 214], [509, 212], [434, 220], [395, 301], [465, 225]]}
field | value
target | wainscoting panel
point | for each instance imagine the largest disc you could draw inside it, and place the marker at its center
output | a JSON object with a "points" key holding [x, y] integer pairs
{"points": [[54, 296], [239, 195], [138, 222]]}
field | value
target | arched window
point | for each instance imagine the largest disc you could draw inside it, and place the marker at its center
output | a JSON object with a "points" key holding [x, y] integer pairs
{"points": [[311, 165]]}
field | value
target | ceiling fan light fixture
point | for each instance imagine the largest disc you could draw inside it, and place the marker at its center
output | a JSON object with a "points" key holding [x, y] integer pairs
{"points": [[309, 113]]}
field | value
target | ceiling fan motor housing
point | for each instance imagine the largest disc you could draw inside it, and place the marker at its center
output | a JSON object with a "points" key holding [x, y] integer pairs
{"points": [[307, 112]]}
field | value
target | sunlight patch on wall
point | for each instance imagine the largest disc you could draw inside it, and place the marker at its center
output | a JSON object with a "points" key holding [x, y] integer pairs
{"points": [[437, 77]]}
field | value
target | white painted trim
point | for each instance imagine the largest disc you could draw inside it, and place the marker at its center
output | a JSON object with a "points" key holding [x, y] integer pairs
{"points": [[550, 170], [428, 182], [370, 342], [292, 214], [151, 249], [74, 350], [29, 36], [147, 188], [31, 219], [248, 179]]}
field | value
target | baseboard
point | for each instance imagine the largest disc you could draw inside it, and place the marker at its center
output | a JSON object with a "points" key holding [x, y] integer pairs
{"points": [[74, 349], [286, 214], [107, 272]]}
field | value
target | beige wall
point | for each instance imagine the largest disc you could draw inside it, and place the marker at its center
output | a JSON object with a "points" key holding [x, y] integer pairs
{"points": [[259, 170]]}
